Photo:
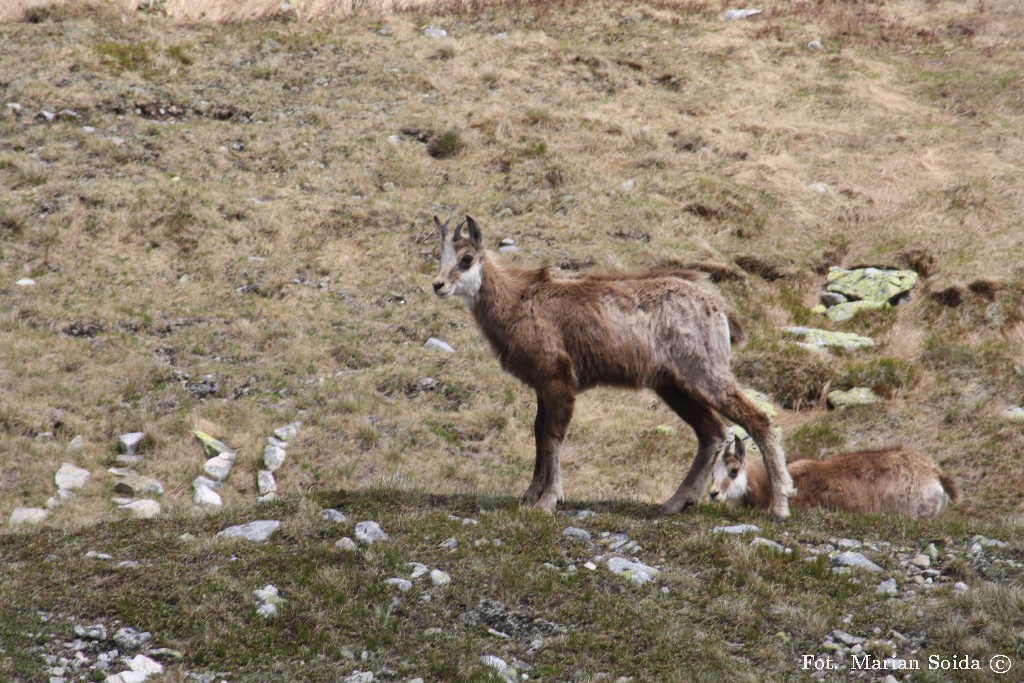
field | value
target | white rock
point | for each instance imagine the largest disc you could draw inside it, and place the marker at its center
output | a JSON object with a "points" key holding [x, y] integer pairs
{"points": [[26, 282], [736, 529], [143, 509], [418, 569], [816, 46], [759, 542], [960, 586], [220, 467], [333, 516], [273, 457], [921, 561], [346, 545], [359, 677], [266, 610], [1014, 413], [855, 560], [435, 32], [638, 572], [266, 594], [27, 516], [590, 565], [627, 185], [127, 677], [144, 664], [288, 432], [369, 532], [577, 533], [501, 667], [888, 587], [205, 496], [401, 584], [93, 555], [821, 188], [737, 14], [437, 344], [71, 477], [258, 531], [265, 482], [440, 578], [128, 443]]}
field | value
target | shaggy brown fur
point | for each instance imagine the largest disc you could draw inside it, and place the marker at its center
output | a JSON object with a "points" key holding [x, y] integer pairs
{"points": [[665, 330], [895, 480]]}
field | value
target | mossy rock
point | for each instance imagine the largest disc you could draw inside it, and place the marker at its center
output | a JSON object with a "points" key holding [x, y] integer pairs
{"points": [[871, 284], [847, 310], [858, 396], [815, 339]]}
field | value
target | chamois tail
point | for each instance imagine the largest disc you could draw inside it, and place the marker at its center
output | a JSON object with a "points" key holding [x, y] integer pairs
{"points": [[950, 487], [736, 333]]}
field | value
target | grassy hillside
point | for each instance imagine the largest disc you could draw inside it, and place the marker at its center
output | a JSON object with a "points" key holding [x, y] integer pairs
{"points": [[229, 228]]}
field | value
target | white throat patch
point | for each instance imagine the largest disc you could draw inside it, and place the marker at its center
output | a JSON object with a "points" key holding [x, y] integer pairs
{"points": [[468, 284]]}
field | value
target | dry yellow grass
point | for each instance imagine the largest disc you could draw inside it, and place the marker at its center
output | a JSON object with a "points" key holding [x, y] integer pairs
{"points": [[306, 237]]}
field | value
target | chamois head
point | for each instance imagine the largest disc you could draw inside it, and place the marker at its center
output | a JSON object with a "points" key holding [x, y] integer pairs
{"points": [[729, 476], [460, 271]]}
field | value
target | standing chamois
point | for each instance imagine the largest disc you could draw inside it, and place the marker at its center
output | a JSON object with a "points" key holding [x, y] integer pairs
{"points": [[895, 480], [663, 329]]}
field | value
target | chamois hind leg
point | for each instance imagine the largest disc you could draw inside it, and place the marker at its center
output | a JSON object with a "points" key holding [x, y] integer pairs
{"points": [[554, 412], [710, 434], [744, 412]]}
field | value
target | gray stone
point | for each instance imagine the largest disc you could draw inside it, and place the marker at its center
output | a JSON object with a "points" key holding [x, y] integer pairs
{"points": [[359, 677], [759, 542], [440, 578], [265, 482], [204, 494], [75, 446], [463, 520], [830, 299], [449, 543], [1014, 414], [93, 555], [128, 638], [888, 587], [577, 533], [346, 545], [418, 569], [333, 516], [921, 561], [258, 531], [128, 443], [438, 345], [960, 586], [847, 544], [274, 457], [435, 32], [369, 532], [71, 477], [143, 509], [638, 572], [404, 585], [138, 485], [94, 632], [846, 639], [815, 46], [738, 14], [501, 667], [855, 561], [21, 516], [736, 529], [288, 432], [219, 467]]}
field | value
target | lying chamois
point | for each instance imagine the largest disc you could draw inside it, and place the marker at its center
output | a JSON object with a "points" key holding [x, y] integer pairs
{"points": [[894, 480], [666, 330]]}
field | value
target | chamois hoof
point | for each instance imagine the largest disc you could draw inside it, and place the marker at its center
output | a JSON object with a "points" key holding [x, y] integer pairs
{"points": [[547, 503], [780, 513], [531, 496]]}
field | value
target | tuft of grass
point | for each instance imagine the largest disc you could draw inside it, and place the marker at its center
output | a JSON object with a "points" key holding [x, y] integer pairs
{"points": [[445, 144], [888, 377], [120, 57]]}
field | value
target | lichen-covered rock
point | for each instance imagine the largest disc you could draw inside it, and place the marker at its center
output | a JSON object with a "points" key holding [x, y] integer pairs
{"points": [[871, 284], [816, 339], [211, 446], [846, 311], [858, 396]]}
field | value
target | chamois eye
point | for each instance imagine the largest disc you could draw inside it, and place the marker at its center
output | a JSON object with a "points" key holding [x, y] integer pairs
{"points": [[734, 472], [466, 261]]}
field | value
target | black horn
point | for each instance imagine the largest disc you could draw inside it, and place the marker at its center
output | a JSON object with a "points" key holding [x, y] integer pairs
{"points": [[458, 231], [443, 229]]}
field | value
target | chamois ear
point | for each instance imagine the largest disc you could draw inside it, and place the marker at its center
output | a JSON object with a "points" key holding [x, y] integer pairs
{"points": [[475, 236], [739, 450]]}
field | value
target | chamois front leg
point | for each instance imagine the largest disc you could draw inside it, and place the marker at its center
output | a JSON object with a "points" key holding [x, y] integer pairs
{"points": [[554, 412]]}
